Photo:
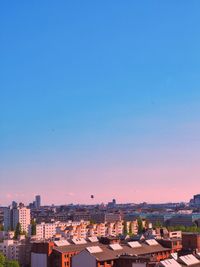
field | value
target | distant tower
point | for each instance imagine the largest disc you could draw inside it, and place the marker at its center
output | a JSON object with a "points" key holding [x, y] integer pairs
{"points": [[37, 201], [14, 204]]}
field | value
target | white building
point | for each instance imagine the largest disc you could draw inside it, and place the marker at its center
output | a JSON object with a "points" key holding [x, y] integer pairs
{"points": [[10, 249], [45, 230], [21, 215], [13, 216]]}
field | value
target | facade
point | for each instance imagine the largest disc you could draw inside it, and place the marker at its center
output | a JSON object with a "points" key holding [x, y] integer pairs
{"points": [[15, 215], [175, 244], [16, 250], [181, 219], [37, 201], [10, 249], [7, 215], [108, 255], [83, 229], [103, 217], [191, 242], [197, 199], [45, 231], [40, 254], [21, 215], [82, 253]]}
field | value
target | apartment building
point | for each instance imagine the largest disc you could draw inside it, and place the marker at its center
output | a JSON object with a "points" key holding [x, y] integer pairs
{"points": [[22, 215], [15, 215], [7, 218], [10, 249], [45, 231], [82, 229]]}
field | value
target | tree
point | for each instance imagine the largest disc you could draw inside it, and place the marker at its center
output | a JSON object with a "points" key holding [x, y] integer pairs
{"points": [[12, 264], [125, 228], [130, 230], [18, 231], [158, 224], [7, 263], [92, 221], [140, 225], [33, 227], [2, 260]]}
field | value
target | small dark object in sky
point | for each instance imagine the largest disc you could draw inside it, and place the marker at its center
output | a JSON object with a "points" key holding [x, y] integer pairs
{"points": [[92, 196]]}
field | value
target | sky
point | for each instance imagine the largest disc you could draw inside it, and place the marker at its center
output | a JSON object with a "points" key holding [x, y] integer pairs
{"points": [[99, 97]]}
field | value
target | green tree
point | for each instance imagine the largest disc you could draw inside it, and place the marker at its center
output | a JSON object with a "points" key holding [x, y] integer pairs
{"points": [[12, 264], [158, 224], [2, 260], [140, 225], [7, 263], [130, 230], [33, 227], [18, 231], [125, 228], [92, 221]]}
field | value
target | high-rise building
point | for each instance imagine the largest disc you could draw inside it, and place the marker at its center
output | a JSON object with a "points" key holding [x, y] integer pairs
{"points": [[13, 216], [37, 201], [7, 216], [21, 215], [197, 199]]}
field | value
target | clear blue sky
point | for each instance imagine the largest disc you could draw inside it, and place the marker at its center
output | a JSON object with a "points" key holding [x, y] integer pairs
{"points": [[99, 97]]}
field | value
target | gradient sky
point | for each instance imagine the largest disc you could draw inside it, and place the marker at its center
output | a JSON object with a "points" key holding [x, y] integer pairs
{"points": [[99, 97]]}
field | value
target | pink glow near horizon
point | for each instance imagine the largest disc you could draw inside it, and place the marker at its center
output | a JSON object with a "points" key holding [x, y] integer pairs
{"points": [[150, 184]]}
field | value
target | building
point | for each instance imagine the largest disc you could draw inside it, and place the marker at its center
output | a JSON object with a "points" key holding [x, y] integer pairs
{"points": [[91, 252], [108, 255], [22, 215], [102, 217], [10, 249], [156, 219], [83, 229], [195, 201], [191, 242], [181, 219], [175, 244], [7, 218], [40, 254], [37, 201], [15, 215], [136, 261], [45, 231]]}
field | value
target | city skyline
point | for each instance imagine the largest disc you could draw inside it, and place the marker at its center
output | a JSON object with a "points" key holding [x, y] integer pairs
{"points": [[99, 98], [91, 202]]}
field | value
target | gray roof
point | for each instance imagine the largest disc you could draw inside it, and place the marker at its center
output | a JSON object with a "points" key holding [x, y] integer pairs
{"points": [[109, 254]]}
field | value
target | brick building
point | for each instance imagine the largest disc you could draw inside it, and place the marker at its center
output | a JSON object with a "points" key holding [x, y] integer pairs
{"points": [[191, 242]]}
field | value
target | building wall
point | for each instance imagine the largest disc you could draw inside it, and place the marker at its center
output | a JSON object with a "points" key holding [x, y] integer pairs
{"points": [[10, 249], [22, 216], [38, 260], [45, 230], [58, 259], [83, 259], [138, 264], [183, 219], [191, 241], [7, 219]]}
